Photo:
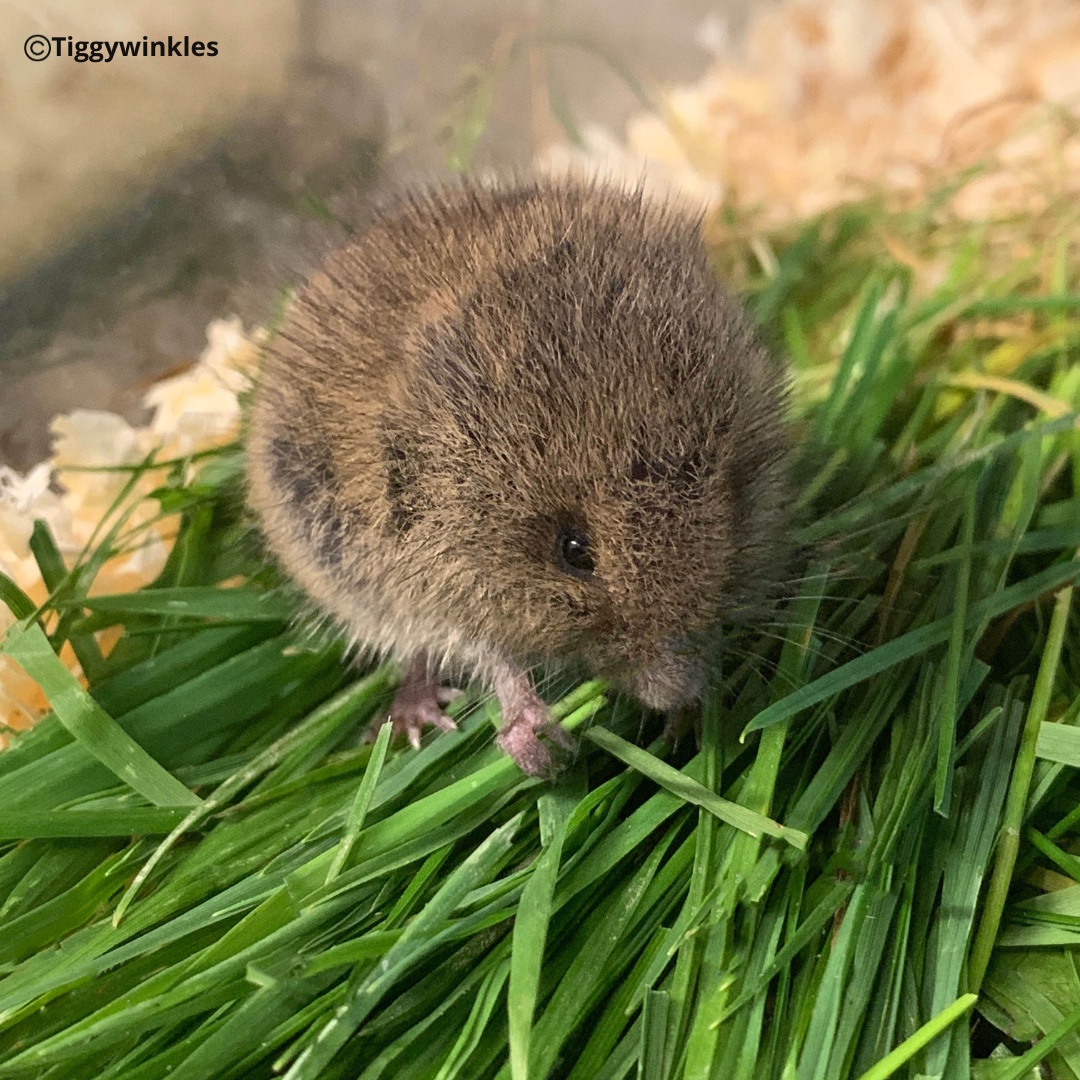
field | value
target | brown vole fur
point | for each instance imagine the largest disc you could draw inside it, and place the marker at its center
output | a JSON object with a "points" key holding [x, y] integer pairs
{"points": [[518, 425]]}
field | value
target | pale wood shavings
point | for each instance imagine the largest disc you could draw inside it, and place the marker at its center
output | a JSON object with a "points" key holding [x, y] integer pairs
{"points": [[195, 410]]}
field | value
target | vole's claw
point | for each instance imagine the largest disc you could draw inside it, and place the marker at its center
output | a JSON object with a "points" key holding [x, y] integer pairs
{"points": [[418, 705], [411, 717]]}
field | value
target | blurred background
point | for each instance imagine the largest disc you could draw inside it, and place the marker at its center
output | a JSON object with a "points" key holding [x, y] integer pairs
{"points": [[143, 197]]}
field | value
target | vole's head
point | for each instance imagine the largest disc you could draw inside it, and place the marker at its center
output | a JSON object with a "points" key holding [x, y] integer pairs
{"points": [[585, 459]]}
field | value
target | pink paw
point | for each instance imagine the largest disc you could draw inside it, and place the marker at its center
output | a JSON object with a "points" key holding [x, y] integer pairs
{"points": [[418, 704], [520, 738]]}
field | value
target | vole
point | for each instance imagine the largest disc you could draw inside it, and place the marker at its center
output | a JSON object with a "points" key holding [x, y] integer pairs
{"points": [[521, 424]]}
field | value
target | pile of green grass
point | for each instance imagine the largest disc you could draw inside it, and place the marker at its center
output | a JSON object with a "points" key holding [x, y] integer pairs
{"points": [[866, 870]]}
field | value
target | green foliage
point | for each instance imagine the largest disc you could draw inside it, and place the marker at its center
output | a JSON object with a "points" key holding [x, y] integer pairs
{"points": [[205, 872]]}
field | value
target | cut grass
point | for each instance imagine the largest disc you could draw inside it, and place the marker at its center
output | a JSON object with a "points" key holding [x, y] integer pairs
{"points": [[205, 873]]}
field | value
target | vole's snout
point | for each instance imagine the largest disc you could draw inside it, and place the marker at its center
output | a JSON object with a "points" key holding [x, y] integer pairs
{"points": [[666, 682]]}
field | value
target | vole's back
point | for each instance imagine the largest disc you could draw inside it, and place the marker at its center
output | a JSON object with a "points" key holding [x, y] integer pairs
{"points": [[487, 372]]}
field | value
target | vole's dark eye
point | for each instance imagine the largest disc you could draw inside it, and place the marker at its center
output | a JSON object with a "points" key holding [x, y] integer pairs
{"points": [[572, 552]]}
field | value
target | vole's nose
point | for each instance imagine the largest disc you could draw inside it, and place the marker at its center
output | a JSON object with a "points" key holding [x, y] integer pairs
{"points": [[666, 681]]}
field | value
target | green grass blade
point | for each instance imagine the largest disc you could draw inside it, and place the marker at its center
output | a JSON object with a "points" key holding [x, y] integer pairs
{"points": [[122, 821], [899, 1057], [90, 724], [1027, 1063], [531, 927], [332, 1036], [691, 791], [1016, 801], [18, 603], [193, 602], [1056, 742], [358, 810], [909, 645], [954, 661]]}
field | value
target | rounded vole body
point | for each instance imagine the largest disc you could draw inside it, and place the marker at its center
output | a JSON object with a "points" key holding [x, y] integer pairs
{"points": [[519, 425]]}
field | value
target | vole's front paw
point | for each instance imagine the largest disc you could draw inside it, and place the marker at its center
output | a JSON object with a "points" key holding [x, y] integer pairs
{"points": [[684, 720], [418, 704], [528, 732]]}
